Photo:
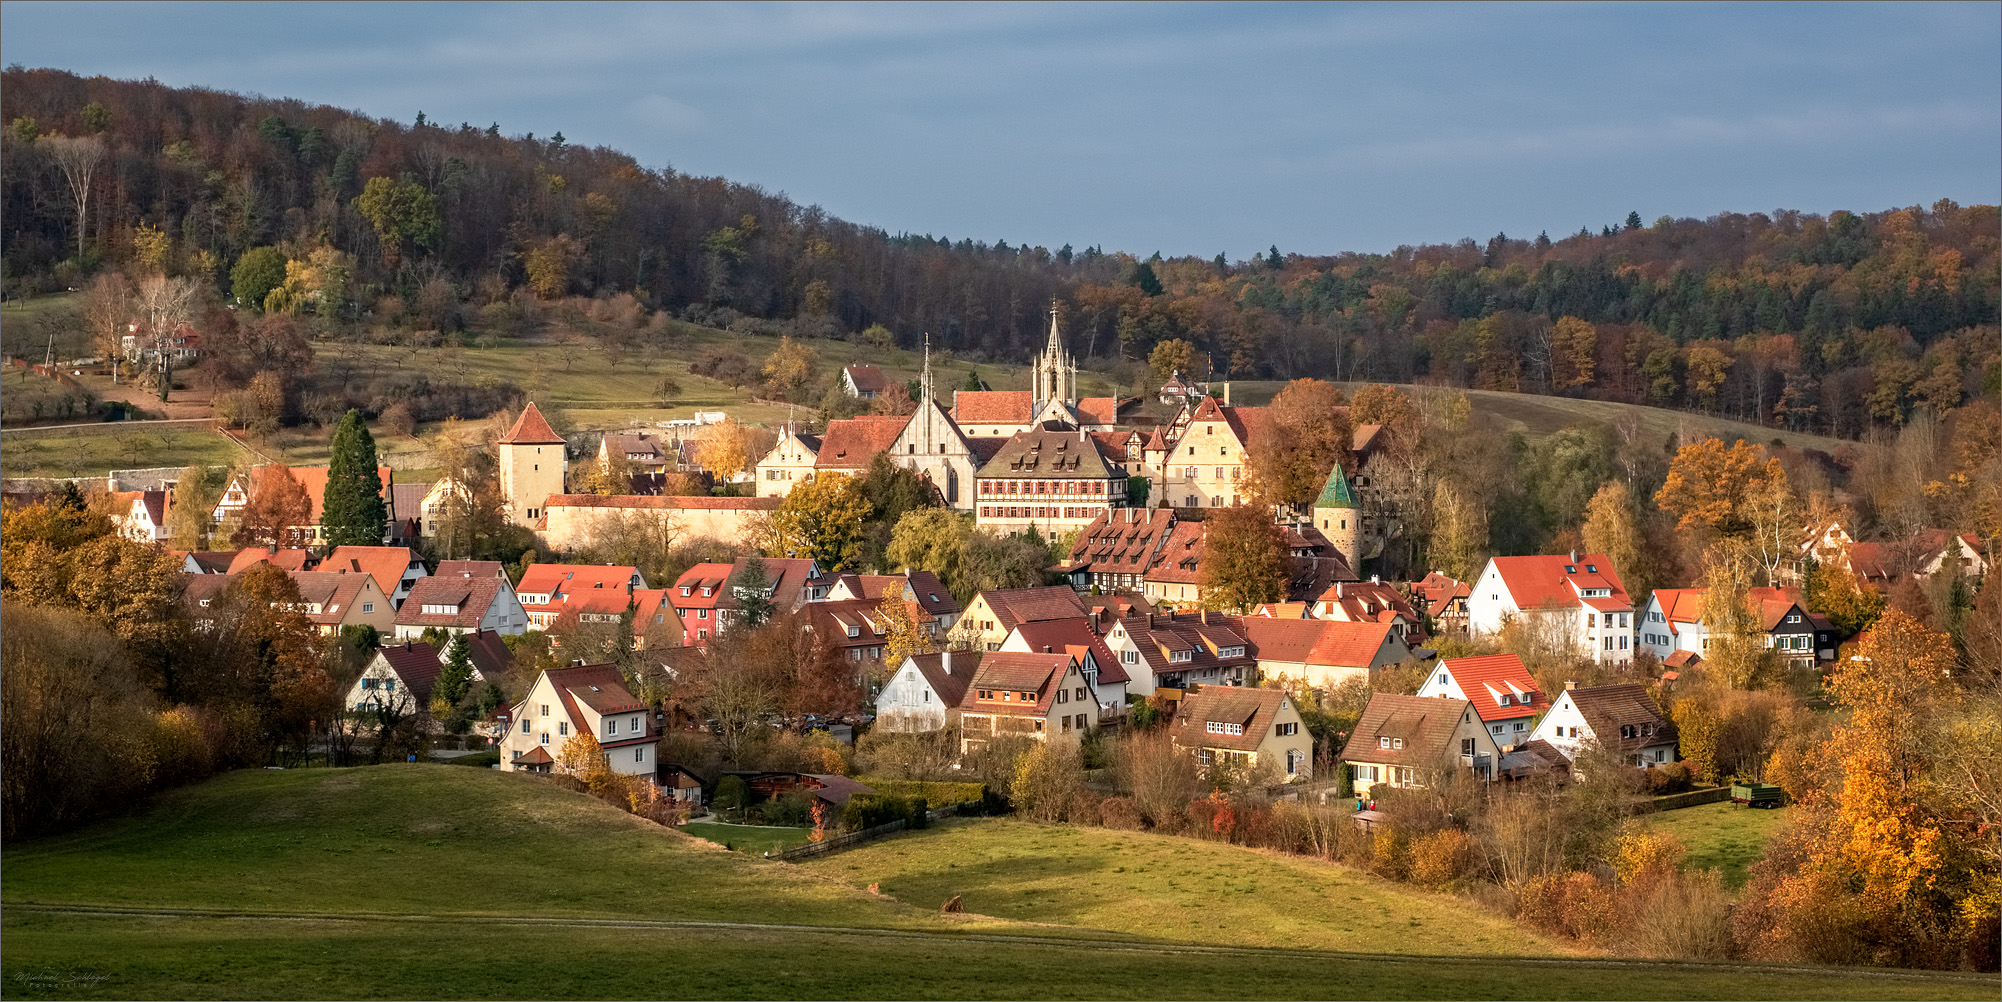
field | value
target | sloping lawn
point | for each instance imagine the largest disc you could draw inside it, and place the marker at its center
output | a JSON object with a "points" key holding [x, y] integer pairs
{"points": [[1724, 836], [753, 839]]}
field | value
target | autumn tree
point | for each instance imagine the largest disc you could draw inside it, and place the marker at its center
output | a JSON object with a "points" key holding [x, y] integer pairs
{"points": [[1708, 483], [1384, 405], [278, 505], [790, 366], [1775, 518], [823, 519], [1612, 527], [549, 264], [1243, 561], [1460, 531], [402, 212], [906, 636], [108, 309], [1573, 345], [1736, 653], [1304, 434], [1176, 355], [190, 517], [73, 720], [726, 449]]}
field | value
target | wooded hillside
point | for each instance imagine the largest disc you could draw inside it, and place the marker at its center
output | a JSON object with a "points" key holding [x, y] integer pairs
{"points": [[1828, 324]]}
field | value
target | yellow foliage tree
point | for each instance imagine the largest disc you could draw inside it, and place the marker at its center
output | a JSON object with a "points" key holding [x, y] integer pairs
{"points": [[822, 518], [1573, 345], [1707, 484]]}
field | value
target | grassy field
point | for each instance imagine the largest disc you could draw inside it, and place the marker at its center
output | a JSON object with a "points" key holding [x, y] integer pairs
{"points": [[1724, 836], [752, 839], [78, 452], [423, 881]]}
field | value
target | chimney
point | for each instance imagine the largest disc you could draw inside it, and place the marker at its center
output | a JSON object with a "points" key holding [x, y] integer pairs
{"points": [[1376, 579], [1150, 620], [1338, 591], [1046, 648], [945, 660], [1226, 393], [1574, 556], [1568, 686]]}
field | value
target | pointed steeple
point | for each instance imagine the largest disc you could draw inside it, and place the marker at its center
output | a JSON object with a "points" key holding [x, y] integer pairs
{"points": [[1336, 493], [924, 380]]}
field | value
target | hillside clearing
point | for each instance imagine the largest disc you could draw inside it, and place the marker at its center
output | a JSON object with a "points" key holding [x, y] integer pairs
{"points": [[1723, 835]]}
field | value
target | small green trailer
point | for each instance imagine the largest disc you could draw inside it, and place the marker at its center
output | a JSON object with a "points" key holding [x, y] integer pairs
{"points": [[1757, 794]]}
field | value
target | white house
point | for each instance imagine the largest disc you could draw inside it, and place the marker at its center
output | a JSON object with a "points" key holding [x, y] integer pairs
{"points": [[1103, 673], [924, 694], [400, 677], [581, 699], [460, 605], [1502, 692], [141, 516], [1578, 596], [1618, 717]]}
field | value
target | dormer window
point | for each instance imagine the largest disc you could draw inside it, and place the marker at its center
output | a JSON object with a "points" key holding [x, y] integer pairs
{"points": [[687, 590], [1383, 742], [854, 631], [1397, 744]]}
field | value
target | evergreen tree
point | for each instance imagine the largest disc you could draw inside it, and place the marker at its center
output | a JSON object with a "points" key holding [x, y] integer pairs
{"points": [[1633, 220], [1273, 260], [1145, 280], [352, 512], [752, 588], [456, 678], [972, 380]]}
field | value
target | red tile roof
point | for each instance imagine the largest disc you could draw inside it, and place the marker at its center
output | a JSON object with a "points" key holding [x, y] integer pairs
{"points": [[950, 685], [850, 443], [469, 569], [1539, 581], [1484, 679], [531, 429], [1000, 407], [1099, 410], [557, 579], [386, 564]]}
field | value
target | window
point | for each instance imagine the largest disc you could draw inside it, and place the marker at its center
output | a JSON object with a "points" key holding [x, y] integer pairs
{"points": [[563, 727], [1129, 657], [1080, 693], [367, 607], [545, 737], [1507, 699], [701, 614], [1283, 730], [1520, 726], [1793, 617], [524, 727], [1365, 774], [639, 754], [1383, 742], [1063, 696], [1397, 744], [1466, 746]]}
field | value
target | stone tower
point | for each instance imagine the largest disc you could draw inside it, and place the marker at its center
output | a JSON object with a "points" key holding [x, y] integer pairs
{"points": [[1055, 374], [533, 462], [1339, 517]]}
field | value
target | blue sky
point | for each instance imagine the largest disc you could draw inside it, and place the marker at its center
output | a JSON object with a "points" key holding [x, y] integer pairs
{"points": [[1178, 128]]}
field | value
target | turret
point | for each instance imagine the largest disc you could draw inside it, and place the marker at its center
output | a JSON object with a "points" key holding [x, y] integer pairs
{"points": [[1339, 517], [533, 461]]}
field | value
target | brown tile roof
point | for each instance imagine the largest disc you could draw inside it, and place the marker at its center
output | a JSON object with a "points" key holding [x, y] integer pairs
{"points": [[417, 665], [1483, 679], [213, 561], [489, 653], [473, 596], [1682, 660], [850, 443], [1180, 558], [1424, 728], [642, 448], [868, 378], [1607, 708], [1006, 671], [407, 500], [1077, 638], [992, 407], [950, 685], [1367, 602], [1049, 453], [336, 594], [1438, 591], [1202, 635], [469, 569], [1316, 641], [1250, 709], [1015, 606], [294, 559], [385, 564], [1313, 576], [531, 429]]}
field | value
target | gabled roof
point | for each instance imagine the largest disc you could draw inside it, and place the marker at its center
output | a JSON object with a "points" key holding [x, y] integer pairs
{"points": [[555, 580], [1609, 707], [1015, 606], [1546, 580], [1201, 635], [1483, 680], [1007, 671], [640, 448], [1682, 660], [386, 564], [1098, 410], [789, 577], [470, 569], [1336, 493], [1121, 541], [1367, 602], [294, 559], [833, 620], [1424, 726], [488, 652], [416, 664], [867, 378], [1364, 437], [709, 577], [992, 407], [1075, 637], [1775, 603], [1251, 709], [336, 594], [407, 500], [601, 688], [531, 429], [1438, 591], [850, 443], [473, 596], [1316, 641], [1179, 561], [950, 685], [1046, 452], [213, 561]]}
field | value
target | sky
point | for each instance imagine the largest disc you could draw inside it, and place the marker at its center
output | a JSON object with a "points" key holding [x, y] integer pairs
{"points": [[1183, 129]]}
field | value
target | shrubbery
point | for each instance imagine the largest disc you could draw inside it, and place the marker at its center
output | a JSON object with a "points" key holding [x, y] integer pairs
{"points": [[867, 810]]}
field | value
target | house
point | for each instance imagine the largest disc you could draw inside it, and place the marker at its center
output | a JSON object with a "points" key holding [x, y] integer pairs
{"points": [[237, 493], [399, 677], [992, 615], [1501, 690], [1673, 623], [789, 461], [471, 569], [1920, 555], [1322, 653], [1577, 596], [855, 629], [1371, 601], [1049, 480], [850, 444], [394, 568], [831, 790], [1257, 731], [572, 520], [700, 601], [199, 593], [1118, 548], [1166, 650], [1041, 697], [678, 784], [489, 654], [290, 559], [545, 589], [642, 452], [1103, 675], [865, 382], [933, 606], [1175, 579], [924, 695], [1620, 718], [409, 515], [182, 345], [141, 516], [1414, 741], [336, 601], [1177, 392], [208, 561], [793, 581], [932, 446], [1205, 464], [1444, 601], [581, 699], [460, 605]]}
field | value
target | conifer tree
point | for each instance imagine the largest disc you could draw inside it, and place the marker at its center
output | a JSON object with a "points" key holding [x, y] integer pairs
{"points": [[352, 512], [456, 678]]}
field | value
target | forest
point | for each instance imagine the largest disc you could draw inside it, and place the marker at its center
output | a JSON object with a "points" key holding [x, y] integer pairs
{"points": [[1833, 323]]}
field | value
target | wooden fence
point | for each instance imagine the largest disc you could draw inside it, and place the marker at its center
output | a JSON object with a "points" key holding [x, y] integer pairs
{"points": [[1693, 798]]}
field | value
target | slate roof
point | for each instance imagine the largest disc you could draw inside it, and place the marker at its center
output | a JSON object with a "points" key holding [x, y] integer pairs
{"points": [[531, 429], [991, 407], [1607, 708], [1425, 726], [1252, 709], [1483, 680], [850, 443]]}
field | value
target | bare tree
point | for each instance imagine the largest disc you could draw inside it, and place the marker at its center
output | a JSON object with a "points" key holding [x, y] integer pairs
{"points": [[107, 308], [79, 158], [166, 304]]}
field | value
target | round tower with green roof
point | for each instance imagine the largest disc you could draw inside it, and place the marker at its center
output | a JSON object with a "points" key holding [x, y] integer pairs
{"points": [[1339, 517]]}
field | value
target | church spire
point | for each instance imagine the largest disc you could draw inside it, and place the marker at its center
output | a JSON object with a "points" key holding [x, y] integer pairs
{"points": [[924, 380]]}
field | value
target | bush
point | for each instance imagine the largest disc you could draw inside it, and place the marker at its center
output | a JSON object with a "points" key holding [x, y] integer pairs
{"points": [[1390, 855], [1573, 904], [483, 760], [867, 810], [1686, 917], [1672, 777], [937, 793], [1442, 858], [1121, 813]]}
